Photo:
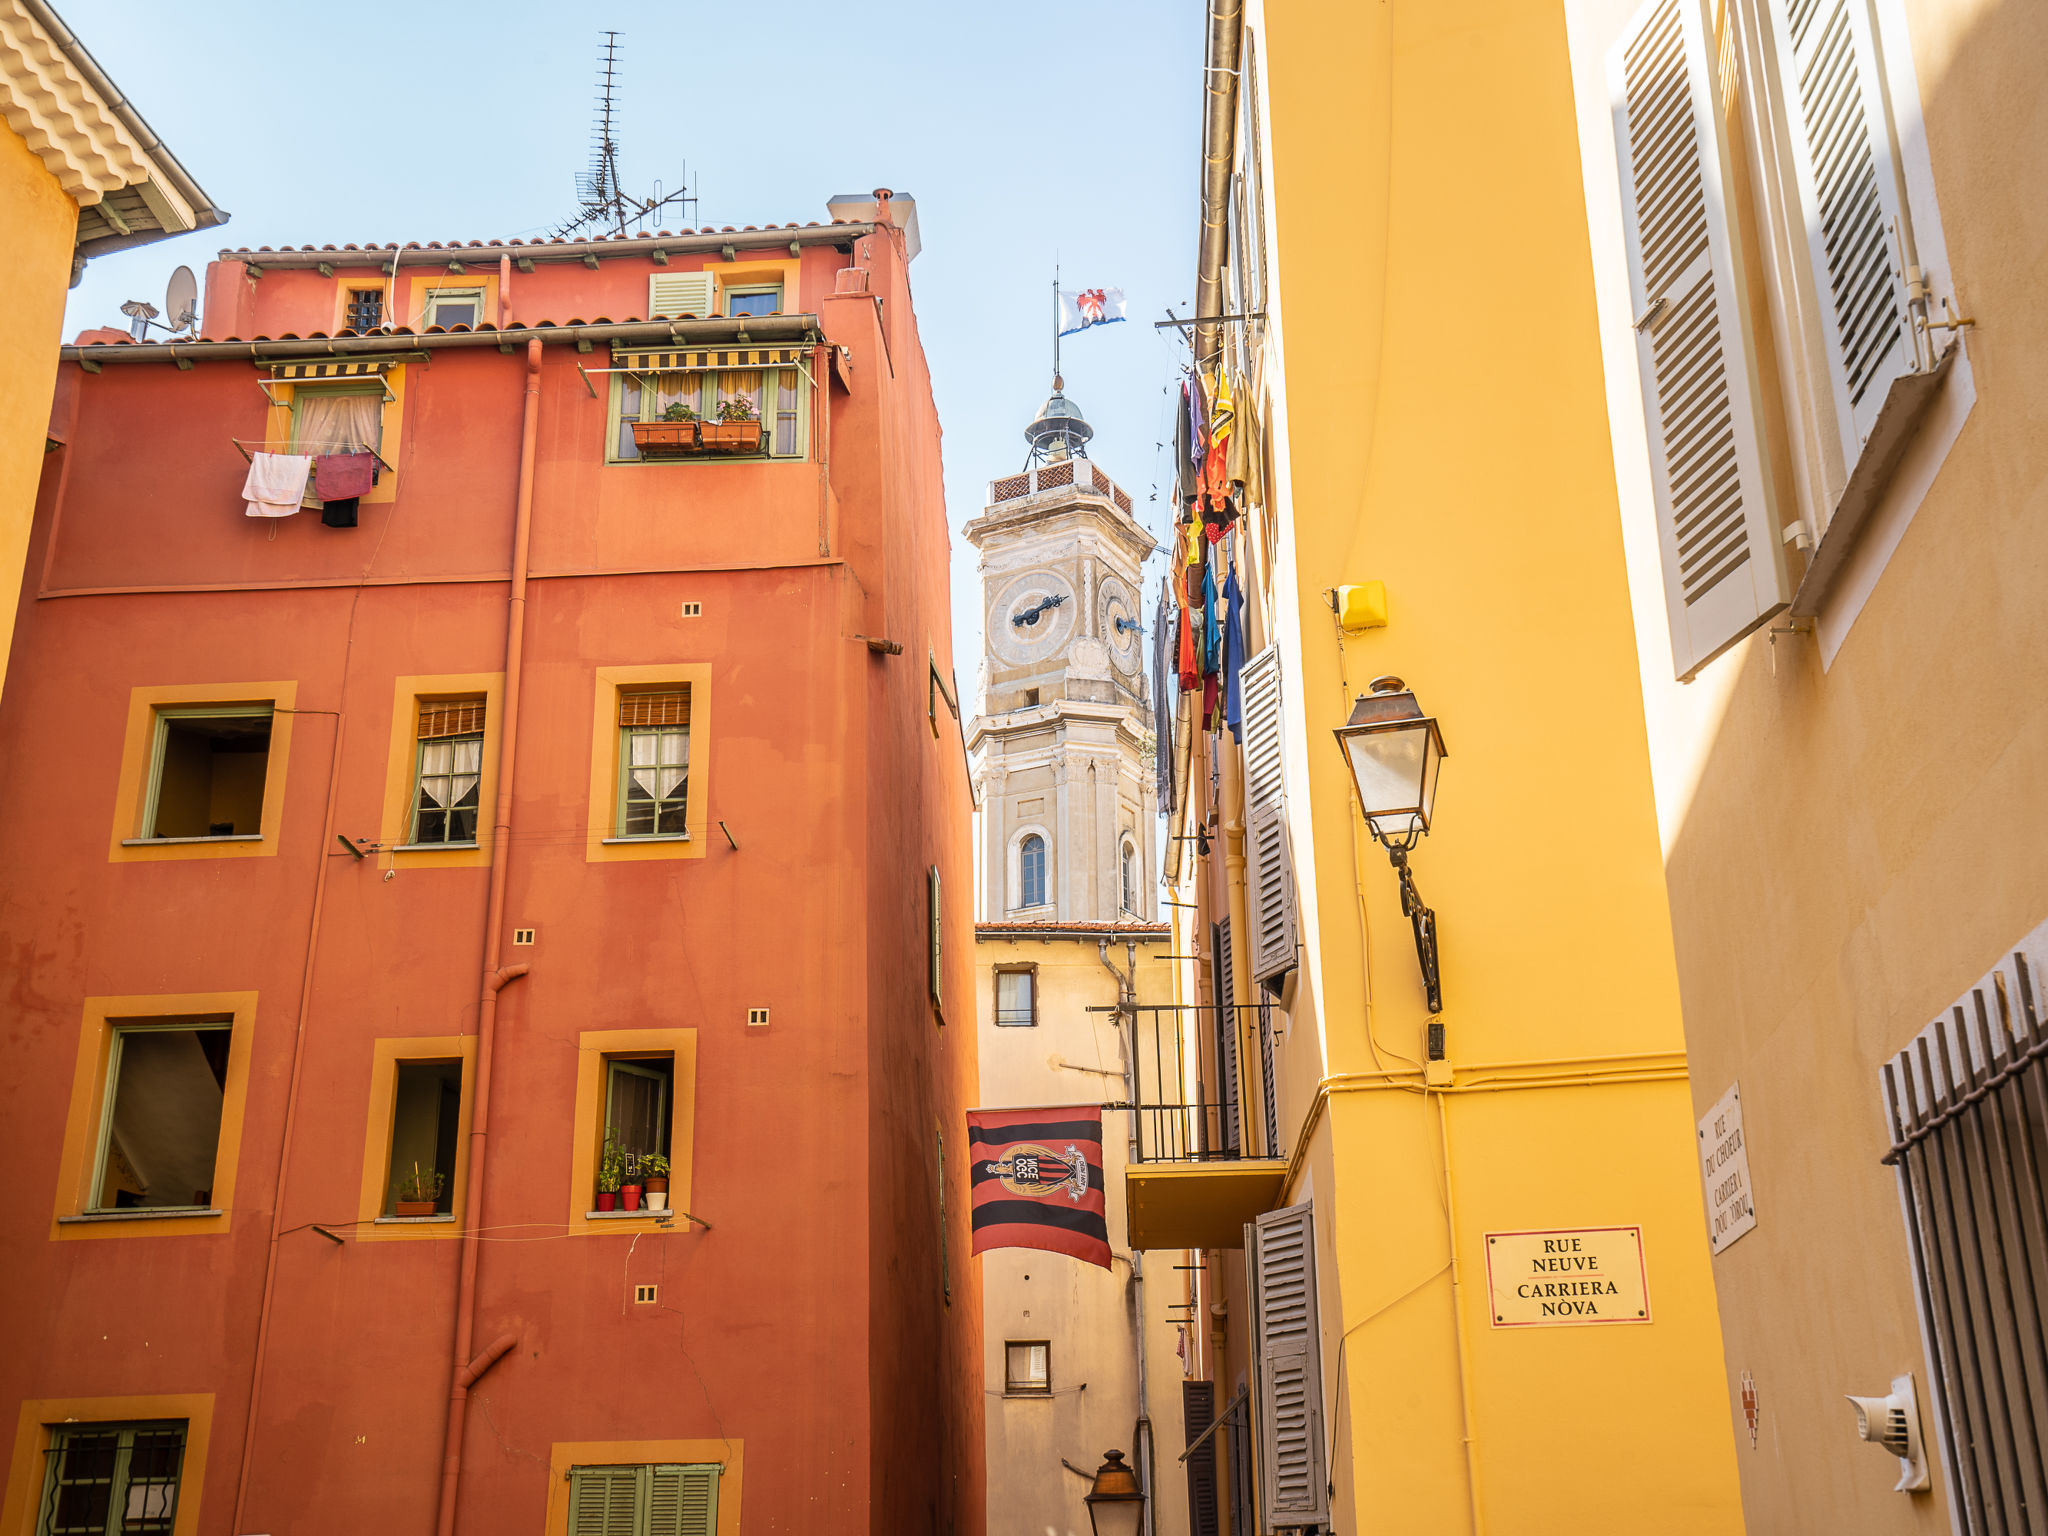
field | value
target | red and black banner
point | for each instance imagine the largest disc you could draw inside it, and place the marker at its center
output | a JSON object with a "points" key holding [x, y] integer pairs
{"points": [[1037, 1178]]}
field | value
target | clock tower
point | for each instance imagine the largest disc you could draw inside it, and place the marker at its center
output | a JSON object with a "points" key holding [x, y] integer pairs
{"points": [[1062, 744]]}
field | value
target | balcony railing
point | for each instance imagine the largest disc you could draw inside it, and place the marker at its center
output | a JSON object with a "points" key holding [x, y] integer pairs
{"points": [[1203, 1082], [1079, 473]]}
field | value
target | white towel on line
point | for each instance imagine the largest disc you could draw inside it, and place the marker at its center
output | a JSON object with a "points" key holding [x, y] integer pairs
{"points": [[276, 483]]}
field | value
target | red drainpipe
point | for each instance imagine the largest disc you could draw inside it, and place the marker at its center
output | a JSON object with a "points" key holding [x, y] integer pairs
{"points": [[467, 1367]]}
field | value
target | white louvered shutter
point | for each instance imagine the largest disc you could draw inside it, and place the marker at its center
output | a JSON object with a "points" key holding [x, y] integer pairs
{"points": [[671, 295], [1724, 568], [1269, 872], [1850, 198], [603, 1501], [1294, 1482], [682, 1501]]}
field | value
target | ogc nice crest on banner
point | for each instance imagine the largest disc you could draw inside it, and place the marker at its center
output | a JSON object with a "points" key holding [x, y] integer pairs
{"points": [[1037, 1178]]}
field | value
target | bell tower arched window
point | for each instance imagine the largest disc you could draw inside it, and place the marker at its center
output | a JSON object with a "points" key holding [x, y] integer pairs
{"points": [[1130, 877], [1031, 872]]}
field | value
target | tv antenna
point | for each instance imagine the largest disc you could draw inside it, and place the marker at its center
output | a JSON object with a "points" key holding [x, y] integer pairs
{"points": [[603, 204], [181, 303]]}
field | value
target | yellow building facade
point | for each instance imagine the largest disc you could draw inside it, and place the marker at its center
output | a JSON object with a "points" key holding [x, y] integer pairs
{"points": [[1472, 1291], [80, 174]]}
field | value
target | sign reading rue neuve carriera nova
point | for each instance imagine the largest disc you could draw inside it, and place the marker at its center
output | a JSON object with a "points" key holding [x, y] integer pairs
{"points": [[1579, 1275]]}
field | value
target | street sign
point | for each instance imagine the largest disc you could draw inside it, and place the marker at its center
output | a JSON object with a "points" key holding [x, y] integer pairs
{"points": [[1724, 1165]]}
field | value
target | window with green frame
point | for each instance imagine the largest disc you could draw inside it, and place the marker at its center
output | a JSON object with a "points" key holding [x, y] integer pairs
{"points": [[207, 768], [113, 1479], [160, 1122], [773, 394], [654, 764], [339, 418], [654, 1500], [447, 773], [761, 299]]}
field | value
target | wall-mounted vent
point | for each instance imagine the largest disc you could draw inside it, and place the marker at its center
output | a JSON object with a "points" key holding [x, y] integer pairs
{"points": [[643, 1294], [522, 935], [693, 610], [757, 1017]]}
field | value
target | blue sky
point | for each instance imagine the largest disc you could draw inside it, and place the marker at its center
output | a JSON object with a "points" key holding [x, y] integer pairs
{"points": [[1025, 132]]}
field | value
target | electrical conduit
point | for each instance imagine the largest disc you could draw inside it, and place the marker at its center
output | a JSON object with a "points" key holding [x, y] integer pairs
{"points": [[468, 1368]]}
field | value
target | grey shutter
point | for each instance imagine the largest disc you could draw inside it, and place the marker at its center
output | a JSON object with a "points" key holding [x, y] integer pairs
{"points": [[1717, 528], [682, 1501], [604, 1501], [1269, 874], [1198, 1412], [1294, 1483], [1850, 198], [674, 294], [1229, 1114]]}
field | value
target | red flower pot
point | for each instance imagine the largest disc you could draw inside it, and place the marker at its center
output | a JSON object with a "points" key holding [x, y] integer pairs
{"points": [[606, 1198], [629, 1197]]}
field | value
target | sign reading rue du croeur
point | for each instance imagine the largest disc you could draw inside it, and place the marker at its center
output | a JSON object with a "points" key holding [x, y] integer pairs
{"points": [[1580, 1275]]}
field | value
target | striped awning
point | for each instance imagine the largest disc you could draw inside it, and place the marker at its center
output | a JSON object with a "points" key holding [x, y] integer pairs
{"points": [[703, 359], [336, 368]]}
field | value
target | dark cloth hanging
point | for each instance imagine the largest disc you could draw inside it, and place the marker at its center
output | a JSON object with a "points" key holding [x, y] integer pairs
{"points": [[343, 476], [1186, 475], [1198, 418], [1212, 635], [341, 513], [1163, 689], [1233, 656]]}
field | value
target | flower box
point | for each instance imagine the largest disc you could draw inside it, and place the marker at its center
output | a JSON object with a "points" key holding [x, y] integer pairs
{"points": [[666, 439], [731, 436]]}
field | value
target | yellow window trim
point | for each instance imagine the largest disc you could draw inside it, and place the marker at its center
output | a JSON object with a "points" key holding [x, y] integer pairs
{"points": [[138, 745], [346, 278], [77, 1156], [385, 1055], [758, 274], [395, 826], [277, 426], [417, 288], [592, 1047], [729, 1454], [24, 1497], [604, 763]]}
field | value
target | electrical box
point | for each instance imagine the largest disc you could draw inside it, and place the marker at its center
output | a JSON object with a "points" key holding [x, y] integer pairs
{"points": [[1363, 606]]}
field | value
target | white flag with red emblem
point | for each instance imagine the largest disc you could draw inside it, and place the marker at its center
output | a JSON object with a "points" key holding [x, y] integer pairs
{"points": [[1083, 307]]}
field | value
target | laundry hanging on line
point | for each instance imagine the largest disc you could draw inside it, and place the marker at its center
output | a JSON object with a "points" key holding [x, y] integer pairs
{"points": [[276, 483]]}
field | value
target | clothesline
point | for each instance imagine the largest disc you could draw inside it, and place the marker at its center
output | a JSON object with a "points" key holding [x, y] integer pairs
{"points": [[248, 450]]}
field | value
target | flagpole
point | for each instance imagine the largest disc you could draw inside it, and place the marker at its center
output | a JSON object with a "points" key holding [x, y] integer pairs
{"points": [[1056, 324]]}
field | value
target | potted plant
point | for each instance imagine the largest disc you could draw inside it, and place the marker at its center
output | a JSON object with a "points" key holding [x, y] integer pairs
{"points": [[419, 1192], [671, 435], [737, 430], [654, 1180], [611, 1169], [630, 1190]]}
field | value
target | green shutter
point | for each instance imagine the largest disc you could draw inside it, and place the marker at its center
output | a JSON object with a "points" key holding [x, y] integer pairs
{"points": [[682, 1501], [603, 1501]]}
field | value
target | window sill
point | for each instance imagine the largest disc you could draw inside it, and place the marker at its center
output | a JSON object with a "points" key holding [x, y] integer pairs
{"points": [[643, 1214], [652, 837], [154, 1213], [411, 1221], [1042, 1394], [710, 458], [159, 842], [433, 847]]}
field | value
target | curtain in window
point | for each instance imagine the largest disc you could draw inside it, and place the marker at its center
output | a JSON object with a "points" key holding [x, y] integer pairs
{"points": [[741, 384], [785, 412], [657, 781], [629, 412], [449, 771], [339, 423]]}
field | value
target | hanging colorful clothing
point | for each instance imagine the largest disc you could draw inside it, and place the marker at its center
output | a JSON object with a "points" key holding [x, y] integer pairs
{"points": [[1233, 656]]}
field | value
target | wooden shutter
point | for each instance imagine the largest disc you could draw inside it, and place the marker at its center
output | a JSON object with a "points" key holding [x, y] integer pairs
{"points": [[682, 1501], [1850, 198], [671, 295], [1198, 1412], [1269, 874], [604, 1501], [1293, 1483], [646, 709], [1229, 1116], [450, 717], [1724, 569]]}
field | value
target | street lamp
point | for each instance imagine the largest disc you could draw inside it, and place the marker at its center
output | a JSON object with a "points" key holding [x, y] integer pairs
{"points": [[1116, 1504], [1394, 750]]}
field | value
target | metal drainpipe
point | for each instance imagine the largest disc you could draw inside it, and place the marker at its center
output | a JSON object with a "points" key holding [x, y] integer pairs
{"points": [[1219, 132], [1126, 998], [467, 1369], [504, 292]]}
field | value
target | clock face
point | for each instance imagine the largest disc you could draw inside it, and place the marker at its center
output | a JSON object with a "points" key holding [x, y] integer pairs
{"points": [[1118, 624], [1031, 615]]}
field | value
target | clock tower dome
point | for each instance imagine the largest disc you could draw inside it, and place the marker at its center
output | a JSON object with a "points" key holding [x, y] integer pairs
{"points": [[1061, 745]]}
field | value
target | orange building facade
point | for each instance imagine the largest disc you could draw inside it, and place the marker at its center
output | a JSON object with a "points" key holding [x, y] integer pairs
{"points": [[583, 804]]}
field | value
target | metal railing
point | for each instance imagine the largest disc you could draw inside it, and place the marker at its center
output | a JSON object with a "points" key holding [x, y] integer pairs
{"points": [[1202, 1081]]}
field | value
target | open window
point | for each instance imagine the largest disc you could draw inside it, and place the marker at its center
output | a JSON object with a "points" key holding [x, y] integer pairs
{"points": [[1017, 996], [654, 763], [119, 1479], [448, 775], [160, 1128], [1027, 1368], [638, 1111], [208, 766], [426, 1119]]}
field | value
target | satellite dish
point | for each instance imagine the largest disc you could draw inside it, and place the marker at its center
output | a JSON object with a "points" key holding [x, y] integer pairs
{"points": [[181, 299]]}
